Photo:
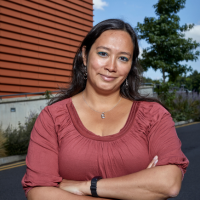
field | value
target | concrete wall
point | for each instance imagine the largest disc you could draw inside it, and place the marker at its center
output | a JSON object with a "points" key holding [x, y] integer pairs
{"points": [[25, 105], [146, 90]]}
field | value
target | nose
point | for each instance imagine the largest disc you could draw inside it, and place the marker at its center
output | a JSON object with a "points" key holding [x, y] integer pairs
{"points": [[111, 65]]}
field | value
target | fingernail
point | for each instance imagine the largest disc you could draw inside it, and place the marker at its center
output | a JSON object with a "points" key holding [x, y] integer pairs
{"points": [[155, 162], [155, 158]]}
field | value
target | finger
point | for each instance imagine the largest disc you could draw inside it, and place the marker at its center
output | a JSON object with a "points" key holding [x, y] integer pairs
{"points": [[153, 162], [150, 165]]}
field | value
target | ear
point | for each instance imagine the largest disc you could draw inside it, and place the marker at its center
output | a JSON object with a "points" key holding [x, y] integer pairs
{"points": [[84, 56]]}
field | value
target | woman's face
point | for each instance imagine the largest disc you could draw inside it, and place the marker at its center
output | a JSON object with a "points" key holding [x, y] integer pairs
{"points": [[109, 60]]}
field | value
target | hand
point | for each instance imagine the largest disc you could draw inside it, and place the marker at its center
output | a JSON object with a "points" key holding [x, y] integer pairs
{"points": [[76, 187], [153, 162]]}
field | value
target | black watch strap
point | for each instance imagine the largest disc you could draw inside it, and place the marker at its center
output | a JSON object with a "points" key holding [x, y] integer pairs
{"points": [[93, 186]]}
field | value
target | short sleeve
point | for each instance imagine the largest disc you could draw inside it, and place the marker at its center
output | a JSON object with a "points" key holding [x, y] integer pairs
{"points": [[42, 157], [163, 140]]}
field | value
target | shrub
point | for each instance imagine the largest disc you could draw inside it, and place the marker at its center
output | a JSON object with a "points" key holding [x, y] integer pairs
{"points": [[17, 140], [185, 107], [2, 140], [166, 95], [48, 94], [182, 106]]}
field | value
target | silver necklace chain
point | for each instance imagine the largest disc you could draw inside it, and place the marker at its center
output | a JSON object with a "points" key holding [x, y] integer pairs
{"points": [[102, 113]]}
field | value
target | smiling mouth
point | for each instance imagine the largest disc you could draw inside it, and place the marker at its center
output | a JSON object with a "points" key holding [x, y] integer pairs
{"points": [[107, 78]]}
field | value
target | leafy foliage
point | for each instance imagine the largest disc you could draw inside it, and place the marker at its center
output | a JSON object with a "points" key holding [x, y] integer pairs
{"points": [[185, 107], [165, 94], [181, 105], [17, 140], [168, 47], [195, 81], [192, 82], [149, 80], [48, 94], [2, 140]]}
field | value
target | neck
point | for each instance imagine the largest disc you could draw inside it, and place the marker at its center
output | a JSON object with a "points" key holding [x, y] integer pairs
{"points": [[101, 101]]}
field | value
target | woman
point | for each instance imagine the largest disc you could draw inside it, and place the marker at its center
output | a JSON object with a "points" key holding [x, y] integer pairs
{"points": [[101, 126]]}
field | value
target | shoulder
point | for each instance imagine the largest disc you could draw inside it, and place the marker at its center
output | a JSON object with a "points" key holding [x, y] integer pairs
{"points": [[56, 111], [59, 105], [151, 108], [149, 114]]}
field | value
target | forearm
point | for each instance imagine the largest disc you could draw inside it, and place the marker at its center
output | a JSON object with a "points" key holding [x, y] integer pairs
{"points": [[53, 193], [156, 183]]}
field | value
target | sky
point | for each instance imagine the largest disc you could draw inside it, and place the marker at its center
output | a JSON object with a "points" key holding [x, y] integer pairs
{"points": [[133, 11]]}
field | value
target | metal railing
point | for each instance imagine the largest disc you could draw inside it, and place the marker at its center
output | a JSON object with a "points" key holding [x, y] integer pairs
{"points": [[25, 94], [42, 93]]}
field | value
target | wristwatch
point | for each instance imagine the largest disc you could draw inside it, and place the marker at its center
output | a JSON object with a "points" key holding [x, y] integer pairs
{"points": [[93, 186]]}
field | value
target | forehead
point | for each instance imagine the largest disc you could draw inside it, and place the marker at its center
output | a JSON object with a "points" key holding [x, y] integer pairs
{"points": [[116, 39]]}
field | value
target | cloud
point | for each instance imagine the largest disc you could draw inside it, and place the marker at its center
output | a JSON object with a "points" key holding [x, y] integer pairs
{"points": [[141, 51], [194, 33], [99, 4]]}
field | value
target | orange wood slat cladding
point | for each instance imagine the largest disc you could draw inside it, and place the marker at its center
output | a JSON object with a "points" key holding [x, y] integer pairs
{"points": [[32, 61], [30, 75], [38, 55], [34, 68], [31, 35], [47, 29], [56, 8], [39, 48], [43, 18], [28, 82], [38, 40]]}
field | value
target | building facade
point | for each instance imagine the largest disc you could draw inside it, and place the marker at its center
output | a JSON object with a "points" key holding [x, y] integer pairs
{"points": [[38, 41]]}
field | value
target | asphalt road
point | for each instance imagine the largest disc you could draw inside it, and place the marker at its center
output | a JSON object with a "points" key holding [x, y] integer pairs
{"points": [[190, 138], [11, 175], [10, 183]]}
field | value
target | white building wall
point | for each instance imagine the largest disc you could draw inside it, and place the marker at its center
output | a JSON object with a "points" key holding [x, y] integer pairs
{"points": [[23, 108], [146, 90]]}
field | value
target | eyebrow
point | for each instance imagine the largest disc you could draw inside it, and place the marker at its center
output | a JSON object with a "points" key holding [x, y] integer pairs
{"points": [[106, 48]]}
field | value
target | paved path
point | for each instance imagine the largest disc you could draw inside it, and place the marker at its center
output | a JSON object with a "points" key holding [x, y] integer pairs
{"points": [[190, 138], [10, 182], [11, 175]]}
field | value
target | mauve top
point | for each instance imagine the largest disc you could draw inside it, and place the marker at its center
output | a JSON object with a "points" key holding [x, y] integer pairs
{"points": [[62, 148]]}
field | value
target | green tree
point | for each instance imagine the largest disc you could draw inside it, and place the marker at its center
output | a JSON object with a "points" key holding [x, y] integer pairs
{"points": [[168, 46], [147, 80], [183, 80], [195, 81], [192, 82]]}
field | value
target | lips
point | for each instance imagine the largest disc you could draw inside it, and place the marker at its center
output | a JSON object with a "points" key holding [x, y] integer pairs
{"points": [[107, 78]]}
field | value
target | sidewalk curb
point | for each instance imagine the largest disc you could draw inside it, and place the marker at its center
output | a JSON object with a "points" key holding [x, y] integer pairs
{"points": [[10, 159], [183, 122]]}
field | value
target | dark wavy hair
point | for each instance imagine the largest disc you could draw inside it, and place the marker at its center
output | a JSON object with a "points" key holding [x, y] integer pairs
{"points": [[78, 83]]}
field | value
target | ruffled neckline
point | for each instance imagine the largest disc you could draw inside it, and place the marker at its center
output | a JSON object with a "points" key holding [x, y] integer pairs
{"points": [[88, 134]]}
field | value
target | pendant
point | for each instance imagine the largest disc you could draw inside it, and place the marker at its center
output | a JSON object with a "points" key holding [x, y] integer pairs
{"points": [[103, 115]]}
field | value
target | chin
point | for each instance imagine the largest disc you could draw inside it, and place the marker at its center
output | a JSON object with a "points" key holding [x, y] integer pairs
{"points": [[107, 88]]}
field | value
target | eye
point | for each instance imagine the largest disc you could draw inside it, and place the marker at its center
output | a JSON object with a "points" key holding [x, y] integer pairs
{"points": [[102, 54], [123, 59]]}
